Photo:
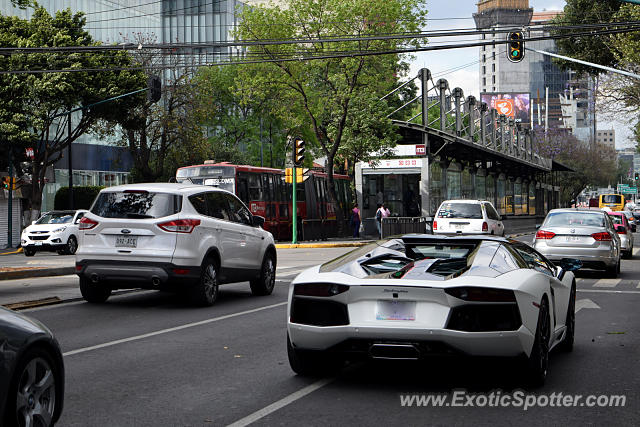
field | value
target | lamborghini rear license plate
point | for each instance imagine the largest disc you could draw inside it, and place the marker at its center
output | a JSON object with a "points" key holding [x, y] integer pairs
{"points": [[396, 310], [126, 242]]}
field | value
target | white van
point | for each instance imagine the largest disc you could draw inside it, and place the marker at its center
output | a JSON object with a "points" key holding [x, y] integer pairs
{"points": [[467, 217]]}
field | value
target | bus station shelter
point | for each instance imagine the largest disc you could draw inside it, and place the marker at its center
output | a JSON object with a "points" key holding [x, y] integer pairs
{"points": [[420, 175]]}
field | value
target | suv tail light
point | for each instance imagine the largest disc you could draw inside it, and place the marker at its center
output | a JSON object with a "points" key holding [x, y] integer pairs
{"points": [[180, 225], [435, 225], [544, 235], [602, 236], [86, 223], [485, 226]]}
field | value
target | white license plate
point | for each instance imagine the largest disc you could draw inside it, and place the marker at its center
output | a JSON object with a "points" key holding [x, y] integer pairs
{"points": [[38, 243], [459, 226], [396, 310], [574, 238], [126, 242]]}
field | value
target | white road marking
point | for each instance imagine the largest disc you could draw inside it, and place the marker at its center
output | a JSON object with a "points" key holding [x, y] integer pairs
{"points": [[607, 283], [636, 250], [168, 330], [252, 418], [585, 303], [607, 291]]}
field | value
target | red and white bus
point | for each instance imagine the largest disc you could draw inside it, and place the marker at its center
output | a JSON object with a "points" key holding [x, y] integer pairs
{"points": [[266, 194]]}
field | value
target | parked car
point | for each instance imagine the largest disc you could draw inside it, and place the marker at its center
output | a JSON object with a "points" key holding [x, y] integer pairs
{"points": [[32, 372], [625, 231], [53, 231], [467, 217], [176, 237], [472, 295], [587, 235]]}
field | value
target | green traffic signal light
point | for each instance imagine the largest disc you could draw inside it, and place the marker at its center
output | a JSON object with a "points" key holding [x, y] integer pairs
{"points": [[515, 47]]}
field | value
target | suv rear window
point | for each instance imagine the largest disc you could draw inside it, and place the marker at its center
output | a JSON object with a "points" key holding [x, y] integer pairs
{"points": [[136, 204], [460, 210]]}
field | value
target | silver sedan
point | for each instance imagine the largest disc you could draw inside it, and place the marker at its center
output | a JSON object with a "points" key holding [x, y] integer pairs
{"points": [[587, 235]]}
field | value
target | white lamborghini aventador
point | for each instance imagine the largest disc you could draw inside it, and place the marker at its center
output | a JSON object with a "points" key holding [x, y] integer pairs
{"points": [[425, 295]]}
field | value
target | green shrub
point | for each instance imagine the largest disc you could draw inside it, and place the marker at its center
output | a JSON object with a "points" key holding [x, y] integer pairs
{"points": [[83, 197]]}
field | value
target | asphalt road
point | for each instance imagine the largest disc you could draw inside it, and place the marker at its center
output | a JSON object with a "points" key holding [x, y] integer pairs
{"points": [[149, 359]]}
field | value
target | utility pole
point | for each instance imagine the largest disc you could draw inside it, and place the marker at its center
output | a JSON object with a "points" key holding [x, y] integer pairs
{"points": [[10, 202], [71, 204]]}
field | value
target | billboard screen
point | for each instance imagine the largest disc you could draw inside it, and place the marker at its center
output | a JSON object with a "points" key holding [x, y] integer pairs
{"points": [[511, 104]]}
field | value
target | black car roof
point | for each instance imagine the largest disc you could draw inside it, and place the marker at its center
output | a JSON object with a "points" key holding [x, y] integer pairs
{"points": [[432, 238]]}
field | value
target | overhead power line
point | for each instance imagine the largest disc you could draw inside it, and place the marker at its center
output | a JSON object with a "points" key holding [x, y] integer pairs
{"points": [[630, 26], [274, 59]]}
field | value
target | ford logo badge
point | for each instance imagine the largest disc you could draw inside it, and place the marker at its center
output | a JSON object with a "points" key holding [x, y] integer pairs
{"points": [[125, 231]]}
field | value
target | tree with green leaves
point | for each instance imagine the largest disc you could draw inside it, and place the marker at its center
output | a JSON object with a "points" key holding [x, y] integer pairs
{"points": [[596, 49], [239, 130], [332, 101], [37, 88]]}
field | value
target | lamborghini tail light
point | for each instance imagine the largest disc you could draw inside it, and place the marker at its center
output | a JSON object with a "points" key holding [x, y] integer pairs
{"points": [[482, 294], [319, 289]]}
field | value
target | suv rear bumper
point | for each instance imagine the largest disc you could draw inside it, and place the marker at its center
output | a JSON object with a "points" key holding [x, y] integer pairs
{"points": [[137, 274]]}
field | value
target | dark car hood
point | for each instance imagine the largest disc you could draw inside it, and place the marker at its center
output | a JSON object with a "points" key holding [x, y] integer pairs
{"points": [[12, 322]]}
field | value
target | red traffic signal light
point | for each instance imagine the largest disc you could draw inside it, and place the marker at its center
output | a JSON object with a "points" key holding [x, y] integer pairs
{"points": [[515, 47]]}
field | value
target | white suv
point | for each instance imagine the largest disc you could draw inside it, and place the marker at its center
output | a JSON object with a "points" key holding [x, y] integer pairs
{"points": [[467, 217], [53, 231], [177, 237]]}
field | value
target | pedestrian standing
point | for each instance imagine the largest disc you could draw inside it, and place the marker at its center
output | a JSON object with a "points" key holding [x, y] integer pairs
{"points": [[379, 219], [355, 220]]}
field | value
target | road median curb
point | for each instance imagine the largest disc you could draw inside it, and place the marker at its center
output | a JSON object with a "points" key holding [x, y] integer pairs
{"points": [[36, 272], [320, 245]]}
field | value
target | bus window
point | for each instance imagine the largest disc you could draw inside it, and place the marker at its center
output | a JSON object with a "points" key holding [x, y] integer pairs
{"points": [[255, 188], [243, 187]]}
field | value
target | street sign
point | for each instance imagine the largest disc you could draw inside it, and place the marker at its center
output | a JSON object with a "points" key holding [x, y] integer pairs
{"points": [[421, 150], [628, 190], [623, 185]]}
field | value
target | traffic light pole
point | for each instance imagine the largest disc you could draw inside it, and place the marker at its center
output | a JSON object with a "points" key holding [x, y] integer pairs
{"points": [[71, 204], [294, 209]]}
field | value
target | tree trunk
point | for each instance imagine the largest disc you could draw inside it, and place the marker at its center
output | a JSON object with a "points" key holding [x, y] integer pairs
{"points": [[333, 199]]}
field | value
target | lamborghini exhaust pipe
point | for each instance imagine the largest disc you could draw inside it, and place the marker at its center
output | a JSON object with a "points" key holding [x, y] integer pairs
{"points": [[394, 351]]}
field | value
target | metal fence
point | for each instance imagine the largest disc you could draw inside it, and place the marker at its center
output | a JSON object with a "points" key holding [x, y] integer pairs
{"points": [[399, 225], [322, 229]]}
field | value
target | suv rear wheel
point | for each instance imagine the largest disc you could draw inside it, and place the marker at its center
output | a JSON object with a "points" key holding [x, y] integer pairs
{"points": [[94, 292], [205, 292], [264, 284]]}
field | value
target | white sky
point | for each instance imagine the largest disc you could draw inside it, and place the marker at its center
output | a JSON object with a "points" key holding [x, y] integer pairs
{"points": [[467, 78]]}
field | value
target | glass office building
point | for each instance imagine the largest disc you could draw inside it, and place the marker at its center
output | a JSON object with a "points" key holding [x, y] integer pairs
{"points": [[101, 161]]}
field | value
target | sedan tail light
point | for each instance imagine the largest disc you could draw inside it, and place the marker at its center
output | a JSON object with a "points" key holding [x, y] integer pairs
{"points": [[602, 236], [435, 225], [180, 225], [544, 235], [485, 226], [86, 223], [621, 231], [482, 294]]}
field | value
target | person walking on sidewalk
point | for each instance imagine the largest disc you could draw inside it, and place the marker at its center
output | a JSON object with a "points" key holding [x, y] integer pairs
{"points": [[355, 220]]}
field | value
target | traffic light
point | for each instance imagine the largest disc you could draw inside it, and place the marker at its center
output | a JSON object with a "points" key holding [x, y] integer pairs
{"points": [[8, 182], [288, 175], [298, 152], [637, 176], [515, 49], [154, 89]]}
